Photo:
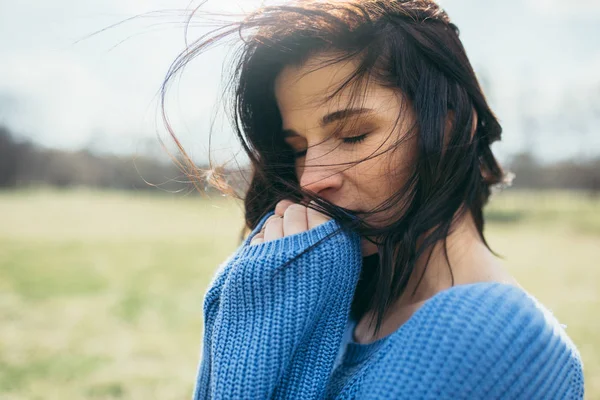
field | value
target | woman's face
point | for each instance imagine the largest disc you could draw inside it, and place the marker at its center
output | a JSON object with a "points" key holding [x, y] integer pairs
{"points": [[308, 124]]}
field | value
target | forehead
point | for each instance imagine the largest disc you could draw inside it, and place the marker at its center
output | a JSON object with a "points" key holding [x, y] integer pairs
{"points": [[301, 92], [306, 86]]}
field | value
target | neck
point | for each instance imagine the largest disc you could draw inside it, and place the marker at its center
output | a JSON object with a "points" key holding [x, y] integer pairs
{"points": [[469, 261]]}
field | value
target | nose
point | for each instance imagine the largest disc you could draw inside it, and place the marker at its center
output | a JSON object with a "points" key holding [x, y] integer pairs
{"points": [[319, 174]]}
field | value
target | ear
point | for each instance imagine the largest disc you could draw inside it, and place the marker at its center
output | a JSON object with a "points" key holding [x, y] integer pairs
{"points": [[448, 126], [484, 172], [450, 122], [475, 121]]}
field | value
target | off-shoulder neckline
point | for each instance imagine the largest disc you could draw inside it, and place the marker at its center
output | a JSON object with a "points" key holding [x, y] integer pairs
{"points": [[356, 352]]}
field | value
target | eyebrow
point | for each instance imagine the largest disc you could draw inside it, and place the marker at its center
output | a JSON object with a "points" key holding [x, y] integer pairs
{"points": [[332, 117]]}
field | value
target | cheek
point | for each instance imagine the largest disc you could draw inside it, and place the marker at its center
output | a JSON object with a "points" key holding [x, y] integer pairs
{"points": [[385, 174], [372, 177], [402, 160]]}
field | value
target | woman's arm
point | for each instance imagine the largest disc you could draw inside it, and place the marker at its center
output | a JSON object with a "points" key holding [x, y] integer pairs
{"points": [[273, 332]]}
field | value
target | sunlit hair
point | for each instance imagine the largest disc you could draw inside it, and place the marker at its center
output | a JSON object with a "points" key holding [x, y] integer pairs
{"points": [[409, 46]]}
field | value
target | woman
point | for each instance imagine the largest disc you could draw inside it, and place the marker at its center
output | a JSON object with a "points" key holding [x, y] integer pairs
{"points": [[366, 273]]}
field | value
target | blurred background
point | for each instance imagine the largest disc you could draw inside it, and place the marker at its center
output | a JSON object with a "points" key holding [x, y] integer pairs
{"points": [[106, 249]]}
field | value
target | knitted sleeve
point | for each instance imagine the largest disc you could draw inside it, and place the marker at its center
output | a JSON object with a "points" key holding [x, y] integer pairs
{"points": [[481, 342], [273, 331]]}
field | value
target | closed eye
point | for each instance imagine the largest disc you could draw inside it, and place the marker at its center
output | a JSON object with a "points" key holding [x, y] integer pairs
{"points": [[348, 140], [355, 139]]}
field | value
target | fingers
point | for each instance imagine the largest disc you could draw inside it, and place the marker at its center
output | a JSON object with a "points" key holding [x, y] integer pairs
{"points": [[314, 217], [294, 219], [282, 206], [274, 228], [289, 218], [260, 236]]}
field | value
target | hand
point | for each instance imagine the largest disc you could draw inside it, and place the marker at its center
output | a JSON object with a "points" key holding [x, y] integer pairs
{"points": [[289, 218]]}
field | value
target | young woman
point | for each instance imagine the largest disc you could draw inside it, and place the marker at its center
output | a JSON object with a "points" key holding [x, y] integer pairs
{"points": [[366, 274]]}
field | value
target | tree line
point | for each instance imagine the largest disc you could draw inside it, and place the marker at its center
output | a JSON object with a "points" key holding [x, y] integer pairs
{"points": [[25, 164]]}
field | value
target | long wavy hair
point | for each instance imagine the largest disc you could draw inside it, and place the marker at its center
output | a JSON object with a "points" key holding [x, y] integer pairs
{"points": [[409, 46]]}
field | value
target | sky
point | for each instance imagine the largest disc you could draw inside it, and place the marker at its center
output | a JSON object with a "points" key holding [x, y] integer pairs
{"points": [[63, 87]]}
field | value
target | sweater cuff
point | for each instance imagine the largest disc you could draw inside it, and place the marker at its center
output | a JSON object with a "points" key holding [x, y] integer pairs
{"points": [[298, 242]]}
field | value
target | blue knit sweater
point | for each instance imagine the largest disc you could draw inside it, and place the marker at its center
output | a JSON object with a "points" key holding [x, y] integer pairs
{"points": [[284, 333]]}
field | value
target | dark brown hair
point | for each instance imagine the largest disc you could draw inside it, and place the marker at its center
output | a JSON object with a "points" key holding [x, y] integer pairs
{"points": [[410, 46]]}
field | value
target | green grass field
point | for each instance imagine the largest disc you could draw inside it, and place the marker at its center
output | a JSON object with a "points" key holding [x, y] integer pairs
{"points": [[101, 292]]}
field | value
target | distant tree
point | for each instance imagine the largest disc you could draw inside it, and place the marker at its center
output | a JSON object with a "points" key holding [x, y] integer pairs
{"points": [[9, 153]]}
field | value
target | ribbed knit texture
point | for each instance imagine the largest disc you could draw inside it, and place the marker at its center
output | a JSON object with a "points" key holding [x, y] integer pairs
{"points": [[277, 333]]}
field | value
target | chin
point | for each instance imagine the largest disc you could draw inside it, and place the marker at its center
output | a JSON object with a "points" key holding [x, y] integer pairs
{"points": [[367, 247]]}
